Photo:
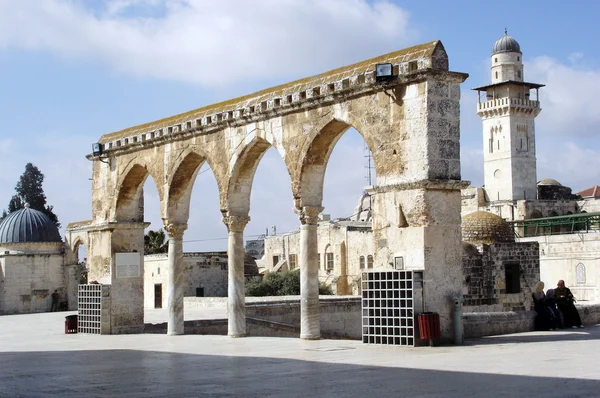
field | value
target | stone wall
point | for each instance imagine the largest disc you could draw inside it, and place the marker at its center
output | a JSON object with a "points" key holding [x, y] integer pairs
{"points": [[575, 258], [28, 281], [484, 268], [479, 324]]}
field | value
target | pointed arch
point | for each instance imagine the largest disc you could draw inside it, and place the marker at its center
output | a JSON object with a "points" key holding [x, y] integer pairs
{"points": [[181, 183], [129, 204], [243, 166], [316, 153]]}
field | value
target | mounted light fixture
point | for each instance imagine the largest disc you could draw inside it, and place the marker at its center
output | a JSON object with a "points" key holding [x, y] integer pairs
{"points": [[384, 72], [96, 149]]}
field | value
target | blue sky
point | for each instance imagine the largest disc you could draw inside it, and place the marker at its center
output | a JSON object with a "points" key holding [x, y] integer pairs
{"points": [[73, 70]]}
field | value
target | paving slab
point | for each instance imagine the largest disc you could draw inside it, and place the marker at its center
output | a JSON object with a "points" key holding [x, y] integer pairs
{"points": [[38, 360]]}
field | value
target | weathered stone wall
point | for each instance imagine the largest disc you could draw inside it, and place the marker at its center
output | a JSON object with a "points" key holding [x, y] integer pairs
{"points": [[560, 258], [479, 324], [339, 316], [485, 277], [28, 281]]}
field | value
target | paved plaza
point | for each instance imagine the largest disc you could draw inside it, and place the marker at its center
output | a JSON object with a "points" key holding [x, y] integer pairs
{"points": [[38, 360]]}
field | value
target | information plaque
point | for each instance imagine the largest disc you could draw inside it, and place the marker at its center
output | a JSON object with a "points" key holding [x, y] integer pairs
{"points": [[128, 265]]}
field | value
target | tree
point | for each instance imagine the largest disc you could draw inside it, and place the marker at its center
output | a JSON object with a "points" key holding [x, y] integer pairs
{"points": [[154, 242], [285, 283], [29, 190]]}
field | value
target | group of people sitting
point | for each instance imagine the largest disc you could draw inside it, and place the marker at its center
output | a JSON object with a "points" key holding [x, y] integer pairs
{"points": [[555, 308]]}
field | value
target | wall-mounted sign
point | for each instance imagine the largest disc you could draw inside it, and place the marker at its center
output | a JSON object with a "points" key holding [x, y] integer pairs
{"points": [[128, 265]]}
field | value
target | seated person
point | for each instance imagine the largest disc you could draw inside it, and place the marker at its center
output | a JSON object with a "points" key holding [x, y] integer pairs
{"points": [[551, 304], [544, 320], [564, 301]]}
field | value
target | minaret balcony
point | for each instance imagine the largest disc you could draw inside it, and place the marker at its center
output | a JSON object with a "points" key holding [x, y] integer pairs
{"points": [[504, 105]]}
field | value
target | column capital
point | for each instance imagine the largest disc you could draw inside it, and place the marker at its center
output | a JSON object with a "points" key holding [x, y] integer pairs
{"points": [[175, 230], [309, 215], [236, 222]]}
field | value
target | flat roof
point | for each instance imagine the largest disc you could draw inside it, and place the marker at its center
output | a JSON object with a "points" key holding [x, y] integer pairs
{"points": [[530, 85]]}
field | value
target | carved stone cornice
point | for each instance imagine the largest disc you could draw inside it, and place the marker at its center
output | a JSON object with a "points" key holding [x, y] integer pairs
{"points": [[236, 222], [309, 215], [437, 185], [175, 231]]}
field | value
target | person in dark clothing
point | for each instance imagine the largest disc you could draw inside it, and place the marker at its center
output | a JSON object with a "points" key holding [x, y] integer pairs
{"points": [[544, 320], [564, 301], [55, 298], [551, 304]]}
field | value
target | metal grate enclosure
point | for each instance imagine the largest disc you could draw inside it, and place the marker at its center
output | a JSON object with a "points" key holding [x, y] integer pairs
{"points": [[89, 309], [388, 308]]}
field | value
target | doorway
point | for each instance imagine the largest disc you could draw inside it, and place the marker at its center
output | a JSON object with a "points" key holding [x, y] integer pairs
{"points": [[158, 295]]}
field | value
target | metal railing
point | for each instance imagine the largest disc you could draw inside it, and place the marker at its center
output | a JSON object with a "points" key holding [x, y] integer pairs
{"points": [[558, 225]]}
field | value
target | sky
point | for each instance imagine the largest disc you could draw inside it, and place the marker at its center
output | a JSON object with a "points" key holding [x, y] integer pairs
{"points": [[73, 70]]}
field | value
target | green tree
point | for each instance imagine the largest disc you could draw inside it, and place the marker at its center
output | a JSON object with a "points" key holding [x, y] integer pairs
{"points": [[154, 242], [29, 190], [285, 283]]}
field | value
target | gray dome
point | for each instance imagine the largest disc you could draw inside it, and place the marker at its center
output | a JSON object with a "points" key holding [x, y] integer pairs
{"points": [[28, 225], [506, 44], [549, 181]]}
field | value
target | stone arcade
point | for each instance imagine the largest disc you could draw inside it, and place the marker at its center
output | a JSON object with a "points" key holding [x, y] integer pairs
{"points": [[410, 123]]}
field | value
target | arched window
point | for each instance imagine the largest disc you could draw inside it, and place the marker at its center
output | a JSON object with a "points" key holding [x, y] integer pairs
{"points": [[369, 261], [362, 262], [580, 273], [496, 75]]}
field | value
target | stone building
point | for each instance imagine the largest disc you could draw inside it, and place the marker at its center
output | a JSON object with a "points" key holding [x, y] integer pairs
{"points": [[544, 211], [508, 111], [500, 274], [344, 249], [33, 264], [205, 274]]}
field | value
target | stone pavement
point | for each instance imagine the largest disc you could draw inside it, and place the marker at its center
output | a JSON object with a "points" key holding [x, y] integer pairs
{"points": [[38, 360]]}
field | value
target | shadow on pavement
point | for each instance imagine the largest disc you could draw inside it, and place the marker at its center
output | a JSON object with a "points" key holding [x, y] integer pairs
{"points": [[133, 373], [591, 332]]}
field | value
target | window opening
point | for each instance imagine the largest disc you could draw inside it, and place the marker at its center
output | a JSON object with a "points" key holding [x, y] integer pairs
{"points": [[329, 264], [512, 275]]}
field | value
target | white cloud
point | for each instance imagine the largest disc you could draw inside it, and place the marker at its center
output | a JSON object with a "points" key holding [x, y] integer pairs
{"points": [[569, 106], [571, 164], [207, 42]]}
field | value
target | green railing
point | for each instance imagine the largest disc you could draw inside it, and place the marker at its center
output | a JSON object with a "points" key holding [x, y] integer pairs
{"points": [[569, 224]]}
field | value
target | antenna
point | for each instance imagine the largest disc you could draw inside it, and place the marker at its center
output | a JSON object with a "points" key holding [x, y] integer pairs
{"points": [[368, 167]]}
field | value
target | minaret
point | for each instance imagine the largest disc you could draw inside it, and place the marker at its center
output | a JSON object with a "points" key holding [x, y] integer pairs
{"points": [[508, 115]]}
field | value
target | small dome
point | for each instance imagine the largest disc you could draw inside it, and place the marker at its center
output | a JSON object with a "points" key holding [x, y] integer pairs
{"points": [[549, 181], [506, 44], [28, 225], [482, 227]]}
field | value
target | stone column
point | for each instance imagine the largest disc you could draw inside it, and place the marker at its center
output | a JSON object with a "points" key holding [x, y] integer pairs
{"points": [[310, 327], [236, 289], [175, 279]]}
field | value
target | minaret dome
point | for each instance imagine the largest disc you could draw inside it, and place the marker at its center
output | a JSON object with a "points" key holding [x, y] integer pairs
{"points": [[507, 60]]}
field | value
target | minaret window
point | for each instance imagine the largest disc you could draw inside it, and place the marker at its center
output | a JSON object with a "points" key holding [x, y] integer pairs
{"points": [[519, 74], [496, 75], [496, 60]]}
